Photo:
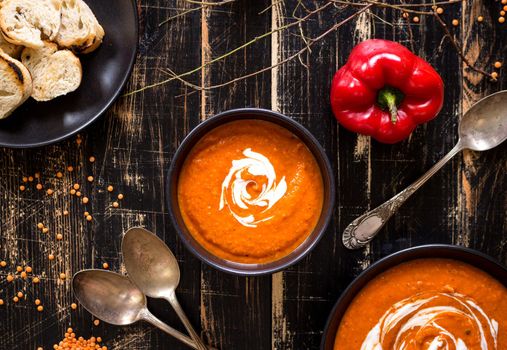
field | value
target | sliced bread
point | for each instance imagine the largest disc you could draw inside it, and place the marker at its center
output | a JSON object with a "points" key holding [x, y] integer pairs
{"points": [[15, 84], [30, 22], [54, 72], [79, 30], [10, 49]]}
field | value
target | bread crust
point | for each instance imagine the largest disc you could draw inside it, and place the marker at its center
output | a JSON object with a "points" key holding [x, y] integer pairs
{"points": [[19, 76]]}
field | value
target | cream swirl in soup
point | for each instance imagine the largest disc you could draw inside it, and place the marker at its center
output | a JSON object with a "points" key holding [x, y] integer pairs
{"points": [[242, 175], [427, 304], [424, 322]]}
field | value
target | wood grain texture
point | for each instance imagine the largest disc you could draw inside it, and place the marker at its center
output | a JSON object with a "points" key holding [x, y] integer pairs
{"points": [[133, 144]]}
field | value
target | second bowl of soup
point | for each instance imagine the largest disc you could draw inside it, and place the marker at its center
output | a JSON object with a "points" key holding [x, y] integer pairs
{"points": [[250, 191]]}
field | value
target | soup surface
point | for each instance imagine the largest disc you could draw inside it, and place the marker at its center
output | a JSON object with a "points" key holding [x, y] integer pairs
{"points": [[427, 304], [250, 191]]}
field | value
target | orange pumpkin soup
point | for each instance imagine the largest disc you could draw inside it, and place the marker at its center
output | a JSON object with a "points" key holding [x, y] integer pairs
{"points": [[250, 191], [427, 304]]}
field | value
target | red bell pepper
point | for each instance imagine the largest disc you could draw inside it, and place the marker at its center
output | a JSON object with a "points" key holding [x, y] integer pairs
{"points": [[385, 91]]}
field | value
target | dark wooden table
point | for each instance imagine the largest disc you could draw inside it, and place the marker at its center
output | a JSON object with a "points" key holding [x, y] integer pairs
{"points": [[133, 144]]}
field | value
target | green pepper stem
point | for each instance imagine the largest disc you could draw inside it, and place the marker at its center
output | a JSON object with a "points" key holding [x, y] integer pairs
{"points": [[389, 99]]}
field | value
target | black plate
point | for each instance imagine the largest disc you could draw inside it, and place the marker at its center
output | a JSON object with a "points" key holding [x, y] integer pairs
{"points": [[105, 72], [469, 256]]}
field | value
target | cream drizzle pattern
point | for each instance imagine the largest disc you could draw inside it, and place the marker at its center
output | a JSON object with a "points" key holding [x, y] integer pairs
{"points": [[235, 187], [418, 318]]}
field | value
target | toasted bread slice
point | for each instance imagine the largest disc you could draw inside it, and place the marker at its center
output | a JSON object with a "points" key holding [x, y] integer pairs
{"points": [[15, 84], [54, 72], [79, 31], [30, 22], [10, 49]]}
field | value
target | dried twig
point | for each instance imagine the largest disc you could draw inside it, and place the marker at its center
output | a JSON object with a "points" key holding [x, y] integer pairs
{"points": [[459, 49]]}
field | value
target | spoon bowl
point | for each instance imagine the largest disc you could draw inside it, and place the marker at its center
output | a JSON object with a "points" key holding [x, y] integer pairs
{"points": [[150, 263], [111, 297], [484, 125]]}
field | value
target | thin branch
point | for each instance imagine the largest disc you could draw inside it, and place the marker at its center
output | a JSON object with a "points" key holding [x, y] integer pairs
{"points": [[181, 14], [459, 49], [204, 3]]}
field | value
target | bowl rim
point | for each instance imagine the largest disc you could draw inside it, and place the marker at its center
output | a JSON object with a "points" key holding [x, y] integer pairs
{"points": [[427, 251], [298, 130]]}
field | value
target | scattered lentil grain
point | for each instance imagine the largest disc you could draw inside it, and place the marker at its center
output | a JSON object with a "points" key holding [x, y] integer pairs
{"points": [[23, 275], [37, 175], [105, 265], [455, 22], [494, 75], [59, 236], [110, 188], [96, 322], [51, 257], [116, 204], [22, 188], [120, 196], [39, 187], [415, 19], [90, 178], [19, 268], [440, 10], [45, 230], [502, 13], [40, 225], [50, 191], [65, 212], [28, 269], [63, 276], [15, 299], [36, 280], [73, 306], [78, 193], [85, 200], [73, 191], [89, 218], [480, 19], [91, 159], [86, 213], [37, 301], [1, 301], [24, 179], [59, 174], [3, 263], [501, 19], [20, 295], [10, 278], [498, 64], [76, 186], [40, 308], [30, 178], [70, 168]]}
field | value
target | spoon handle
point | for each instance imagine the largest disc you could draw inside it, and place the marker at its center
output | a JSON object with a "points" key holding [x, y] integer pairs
{"points": [[363, 229], [150, 318], [171, 298]]}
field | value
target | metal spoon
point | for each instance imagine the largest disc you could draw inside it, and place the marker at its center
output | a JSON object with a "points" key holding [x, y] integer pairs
{"points": [[483, 127], [114, 299], [153, 268]]}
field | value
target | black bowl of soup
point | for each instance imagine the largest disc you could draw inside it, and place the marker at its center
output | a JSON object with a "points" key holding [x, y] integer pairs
{"points": [[427, 297], [250, 191]]}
